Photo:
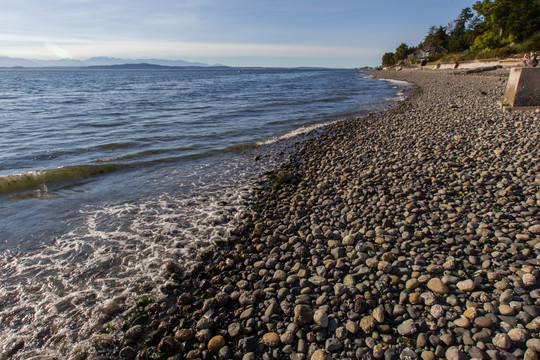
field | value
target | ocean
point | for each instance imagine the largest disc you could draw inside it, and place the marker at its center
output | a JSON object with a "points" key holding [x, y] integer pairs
{"points": [[107, 173]]}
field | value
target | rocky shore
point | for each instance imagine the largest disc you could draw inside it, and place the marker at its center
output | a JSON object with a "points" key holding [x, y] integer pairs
{"points": [[413, 234]]}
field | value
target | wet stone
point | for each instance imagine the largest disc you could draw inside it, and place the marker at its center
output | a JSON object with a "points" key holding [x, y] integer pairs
{"points": [[134, 332], [127, 353], [166, 345], [183, 335]]}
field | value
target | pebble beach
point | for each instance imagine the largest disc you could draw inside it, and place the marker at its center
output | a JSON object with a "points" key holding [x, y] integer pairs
{"points": [[409, 234]]}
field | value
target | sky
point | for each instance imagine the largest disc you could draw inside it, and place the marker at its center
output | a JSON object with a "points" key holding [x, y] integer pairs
{"points": [[336, 34]]}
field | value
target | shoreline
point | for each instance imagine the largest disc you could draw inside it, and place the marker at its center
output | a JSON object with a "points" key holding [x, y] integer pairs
{"points": [[412, 233]]}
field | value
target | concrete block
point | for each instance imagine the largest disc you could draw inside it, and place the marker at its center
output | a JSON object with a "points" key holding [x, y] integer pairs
{"points": [[523, 87]]}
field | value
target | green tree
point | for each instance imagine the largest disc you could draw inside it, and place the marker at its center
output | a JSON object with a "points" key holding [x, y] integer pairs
{"points": [[436, 36], [516, 18], [459, 26], [461, 31], [388, 59], [401, 53]]}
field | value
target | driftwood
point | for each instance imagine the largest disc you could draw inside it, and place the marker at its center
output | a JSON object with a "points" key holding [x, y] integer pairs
{"points": [[482, 69]]}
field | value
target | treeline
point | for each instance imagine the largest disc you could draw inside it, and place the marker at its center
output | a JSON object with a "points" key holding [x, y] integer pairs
{"points": [[492, 28]]}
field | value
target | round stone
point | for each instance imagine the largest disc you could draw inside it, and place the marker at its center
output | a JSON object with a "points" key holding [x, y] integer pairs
{"points": [[518, 335], [321, 355], [506, 310], [225, 352], [462, 322], [216, 343], [471, 313], [453, 353], [407, 328], [483, 322], [368, 324], [534, 325], [502, 341], [303, 315], [429, 298], [378, 314], [465, 285], [234, 329], [111, 307], [533, 344], [134, 332], [205, 323], [428, 355], [437, 311], [437, 286], [184, 335], [320, 317], [271, 339], [351, 327], [412, 284], [333, 345], [287, 338], [531, 354], [528, 279]]}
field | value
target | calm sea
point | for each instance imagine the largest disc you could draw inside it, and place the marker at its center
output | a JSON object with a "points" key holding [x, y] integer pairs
{"points": [[106, 174]]}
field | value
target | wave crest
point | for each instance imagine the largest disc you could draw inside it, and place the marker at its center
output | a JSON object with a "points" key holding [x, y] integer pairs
{"points": [[34, 179]]}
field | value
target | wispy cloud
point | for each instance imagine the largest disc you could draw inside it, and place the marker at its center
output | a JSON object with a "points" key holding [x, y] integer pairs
{"points": [[34, 48]]}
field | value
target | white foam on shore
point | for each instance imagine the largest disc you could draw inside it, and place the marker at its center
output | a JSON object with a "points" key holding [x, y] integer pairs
{"points": [[400, 95], [53, 299], [400, 83], [294, 133]]}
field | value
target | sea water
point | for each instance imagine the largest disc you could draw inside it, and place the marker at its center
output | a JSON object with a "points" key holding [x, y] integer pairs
{"points": [[106, 174]]}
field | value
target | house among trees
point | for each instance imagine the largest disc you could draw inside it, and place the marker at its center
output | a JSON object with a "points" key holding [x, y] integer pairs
{"points": [[491, 29], [426, 52]]}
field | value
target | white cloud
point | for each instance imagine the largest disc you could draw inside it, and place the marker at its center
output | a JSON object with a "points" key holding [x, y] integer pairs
{"points": [[33, 48]]}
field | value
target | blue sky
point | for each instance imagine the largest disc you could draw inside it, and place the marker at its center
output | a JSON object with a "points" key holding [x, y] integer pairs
{"points": [[338, 33]]}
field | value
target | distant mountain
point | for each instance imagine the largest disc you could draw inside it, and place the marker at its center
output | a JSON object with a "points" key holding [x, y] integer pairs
{"points": [[130, 66], [95, 61], [115, 61], [146, 66], [12, 62]]}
